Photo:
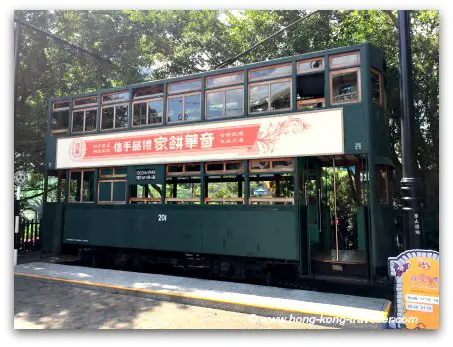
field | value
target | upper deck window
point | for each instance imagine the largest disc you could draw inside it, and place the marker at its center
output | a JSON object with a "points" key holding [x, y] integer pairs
{"points": [[60, 117], [149, 92], [148, 112], [376, 86], [226, 102], [344, 59], [270, 96], [115, 111], [84, 120], [270, 72], [345, 86], [225, 80], [184, 108], [115, 97], [310, 65], [185, 86], [85, 102]]}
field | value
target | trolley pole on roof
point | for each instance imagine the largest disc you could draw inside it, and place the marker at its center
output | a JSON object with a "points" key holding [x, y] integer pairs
{"points": [[410, 182]]}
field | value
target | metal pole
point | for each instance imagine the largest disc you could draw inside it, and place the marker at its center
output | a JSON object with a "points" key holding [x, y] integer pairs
{"points": [[335, 207], [410, 182], [16, 226]]}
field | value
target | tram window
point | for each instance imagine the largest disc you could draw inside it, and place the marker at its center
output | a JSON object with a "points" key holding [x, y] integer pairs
{"points": [[382, 184], [184, 86], [310, 65], [344, 86], [145, 193], [225, 167], [184, 108], [111, 191], [310, 91], [225, 190], [183, 190], [223, 80], [151, 91], [279, 165], [260, 165], [115, 97], [344, 59], [114, 117], [81, 186], [270, 72], [148, 112], [268, 189], [84, 120], [376, 86], [224, 103], [113, 172], [92, 100], [212, 167], [183, 169], [60, 117], [277, 93]]}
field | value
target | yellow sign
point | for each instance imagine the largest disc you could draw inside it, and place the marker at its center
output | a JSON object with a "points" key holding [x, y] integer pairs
{"points": [[417, 284]]}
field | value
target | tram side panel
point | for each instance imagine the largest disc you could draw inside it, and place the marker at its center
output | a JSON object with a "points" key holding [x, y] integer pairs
{"points": [[245, 232]]}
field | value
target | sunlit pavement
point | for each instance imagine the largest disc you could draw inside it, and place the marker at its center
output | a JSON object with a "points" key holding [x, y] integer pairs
{"points": [[42, 304]]}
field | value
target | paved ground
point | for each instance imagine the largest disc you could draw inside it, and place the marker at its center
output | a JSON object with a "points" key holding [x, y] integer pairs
{"points": [[40, 304]]}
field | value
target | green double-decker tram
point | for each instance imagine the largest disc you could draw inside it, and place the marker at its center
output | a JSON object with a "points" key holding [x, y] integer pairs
{"points": [[277, 167]]}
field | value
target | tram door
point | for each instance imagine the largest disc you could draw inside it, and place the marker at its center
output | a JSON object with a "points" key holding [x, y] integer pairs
{"points": [[335, 218]]}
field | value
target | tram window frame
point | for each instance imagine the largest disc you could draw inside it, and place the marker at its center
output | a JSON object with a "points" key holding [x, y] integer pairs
{"points": [[84, 110], [147, 197], [332, 57], [224, 92], [219, 78], [184, 172], [80, 199], [334, 73], [114, 106], [270, 76], [55, 128], [112, 182], [173, 181], [114, 172], [150, 95], [125, 98], [224, 170], [272, 177], [186, 90], [382, 184], [269, 84], [85, 105], [301, 71], [271, 168], [219, 180], [147, 104], [183, 96], [375, 72]]}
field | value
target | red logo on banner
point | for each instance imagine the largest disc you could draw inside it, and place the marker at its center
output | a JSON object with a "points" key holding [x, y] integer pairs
{"points": [[77, 149]]}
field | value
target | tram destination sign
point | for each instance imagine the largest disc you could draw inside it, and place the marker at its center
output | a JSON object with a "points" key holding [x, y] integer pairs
{"points": [[145, 174], [148, 174], [289, 135]]}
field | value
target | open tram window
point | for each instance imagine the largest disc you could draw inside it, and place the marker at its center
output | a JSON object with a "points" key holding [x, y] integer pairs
{"points": [[267, 165], [81, 186], [145, 193], [59, 118], [310, 92], [183, 190], [115, 110], [271, 189], [345, 86], [228, 189]]}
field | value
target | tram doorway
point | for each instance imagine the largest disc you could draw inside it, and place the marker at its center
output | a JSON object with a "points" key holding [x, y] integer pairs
{"points": [[336, 225]]}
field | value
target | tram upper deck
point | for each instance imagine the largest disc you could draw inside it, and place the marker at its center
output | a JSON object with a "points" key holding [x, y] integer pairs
{"points": [[334, 97]]}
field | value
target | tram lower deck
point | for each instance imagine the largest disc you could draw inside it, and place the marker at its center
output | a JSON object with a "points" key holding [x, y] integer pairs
{"points": [[309, 215]]}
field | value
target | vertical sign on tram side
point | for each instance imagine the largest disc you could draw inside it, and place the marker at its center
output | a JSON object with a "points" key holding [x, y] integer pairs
{"points": [[417, 285]]}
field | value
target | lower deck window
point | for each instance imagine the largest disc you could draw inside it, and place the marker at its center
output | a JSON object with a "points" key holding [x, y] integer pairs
{"points": [[145, 193], [224, 190], [276, 189], [183, 190], [81, 186], [112, 191]]}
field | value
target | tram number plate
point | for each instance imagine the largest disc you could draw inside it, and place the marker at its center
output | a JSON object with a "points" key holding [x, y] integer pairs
{"points": [[161, 217]]}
